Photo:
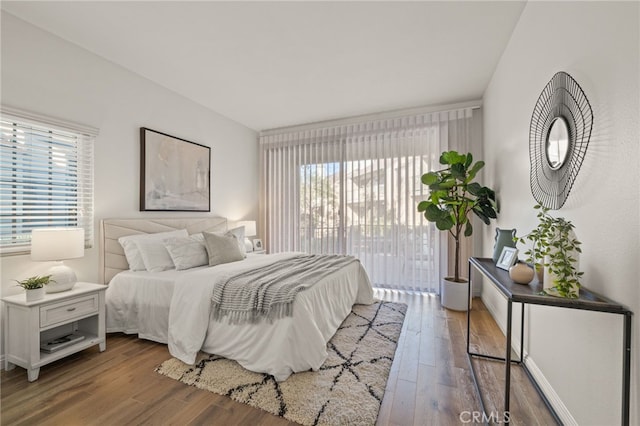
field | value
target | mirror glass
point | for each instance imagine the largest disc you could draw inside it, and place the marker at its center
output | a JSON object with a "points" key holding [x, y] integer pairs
{"points": [[557, 145]]}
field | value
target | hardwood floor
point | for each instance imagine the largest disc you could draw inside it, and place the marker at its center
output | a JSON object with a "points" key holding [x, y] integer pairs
{"points": [[429, 384]]}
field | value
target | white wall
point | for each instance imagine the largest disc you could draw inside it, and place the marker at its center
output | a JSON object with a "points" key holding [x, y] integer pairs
{"points": [[578, 353], [44, 74]]}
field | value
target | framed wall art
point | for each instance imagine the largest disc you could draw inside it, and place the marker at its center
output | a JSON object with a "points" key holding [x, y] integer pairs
{"points": [[174, 173]]}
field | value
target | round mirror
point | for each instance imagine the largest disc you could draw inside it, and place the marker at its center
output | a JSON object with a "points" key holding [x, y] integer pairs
{"points": [[557, 145], [559, 134]]}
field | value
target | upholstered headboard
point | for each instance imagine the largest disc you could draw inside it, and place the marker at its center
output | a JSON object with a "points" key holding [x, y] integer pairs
{"points": [[112, 258]]}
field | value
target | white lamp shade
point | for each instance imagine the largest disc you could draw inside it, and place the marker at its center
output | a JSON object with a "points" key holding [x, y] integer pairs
{"points": [[57, 243], [249, 227]]}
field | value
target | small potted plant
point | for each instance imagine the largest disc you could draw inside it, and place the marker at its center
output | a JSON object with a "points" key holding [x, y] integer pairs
{"points": [[555, 247], [34, 286], [453, 196]]}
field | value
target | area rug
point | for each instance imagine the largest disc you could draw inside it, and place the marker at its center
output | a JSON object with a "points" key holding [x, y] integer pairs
{"points": [[348, 388]]}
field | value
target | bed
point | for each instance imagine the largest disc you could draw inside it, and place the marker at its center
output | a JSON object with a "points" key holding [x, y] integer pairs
{"points": [[175, 308]]}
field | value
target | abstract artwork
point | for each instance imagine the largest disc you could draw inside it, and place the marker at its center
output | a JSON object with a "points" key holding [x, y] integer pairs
{"points": [[174, 173]]}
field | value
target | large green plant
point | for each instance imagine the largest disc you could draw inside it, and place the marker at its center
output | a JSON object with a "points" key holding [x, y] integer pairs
{"points": [[454, 195], [554, 239]]}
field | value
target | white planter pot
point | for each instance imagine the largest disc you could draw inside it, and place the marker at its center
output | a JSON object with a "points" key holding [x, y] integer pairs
{"points": [[34, 294], [454, 295]]}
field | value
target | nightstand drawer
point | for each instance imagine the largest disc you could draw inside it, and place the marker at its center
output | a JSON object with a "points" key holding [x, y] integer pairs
{"points": [[68, 310]]}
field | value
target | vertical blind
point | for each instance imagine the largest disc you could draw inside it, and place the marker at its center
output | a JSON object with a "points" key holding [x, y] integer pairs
{"points": [[353, 189], [46, 179]]}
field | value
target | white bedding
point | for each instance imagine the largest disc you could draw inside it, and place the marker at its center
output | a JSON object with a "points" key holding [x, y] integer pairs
{"points": [[174, 307]]}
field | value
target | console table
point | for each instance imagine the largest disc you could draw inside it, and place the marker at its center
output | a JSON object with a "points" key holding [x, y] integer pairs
{"points": [[529, 294]]}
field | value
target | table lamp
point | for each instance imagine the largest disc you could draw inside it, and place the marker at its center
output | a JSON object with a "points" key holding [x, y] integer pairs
{"points": [[58, 244], [249, 231]]}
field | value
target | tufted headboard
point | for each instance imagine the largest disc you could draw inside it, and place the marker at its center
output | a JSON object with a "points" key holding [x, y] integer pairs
{"points": [[112, 258]]}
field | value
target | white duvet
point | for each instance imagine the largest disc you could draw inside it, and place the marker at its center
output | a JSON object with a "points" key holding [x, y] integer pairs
{"points": [[174, 307]]}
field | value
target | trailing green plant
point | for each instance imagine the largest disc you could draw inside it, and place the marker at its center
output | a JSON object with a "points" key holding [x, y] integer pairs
{"points": [[33, 283], [554, 237], [454, 195]]}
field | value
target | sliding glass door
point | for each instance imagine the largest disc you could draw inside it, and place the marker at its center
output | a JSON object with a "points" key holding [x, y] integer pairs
{"points": [[354, 190]]}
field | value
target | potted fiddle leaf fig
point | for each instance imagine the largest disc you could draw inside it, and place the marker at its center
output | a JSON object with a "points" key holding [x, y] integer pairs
{"points": [[453, 196], [555, 247], [34, 286]]}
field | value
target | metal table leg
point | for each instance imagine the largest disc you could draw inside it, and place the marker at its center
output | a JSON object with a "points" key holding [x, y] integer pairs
{"points": [[507, 373]]}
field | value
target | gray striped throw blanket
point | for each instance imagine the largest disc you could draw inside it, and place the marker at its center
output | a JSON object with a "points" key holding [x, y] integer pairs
{"points": [[267, 293]]}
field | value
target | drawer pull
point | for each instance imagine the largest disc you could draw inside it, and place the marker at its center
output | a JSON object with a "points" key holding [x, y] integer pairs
{"points": [[71, 309]]}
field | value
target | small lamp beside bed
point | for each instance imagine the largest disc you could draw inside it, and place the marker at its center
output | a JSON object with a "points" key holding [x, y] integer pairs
{"points": [[249, 231], [58, 244]]}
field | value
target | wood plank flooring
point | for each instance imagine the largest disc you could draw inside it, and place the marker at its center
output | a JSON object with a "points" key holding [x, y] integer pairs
{"points": [[429, 384]]}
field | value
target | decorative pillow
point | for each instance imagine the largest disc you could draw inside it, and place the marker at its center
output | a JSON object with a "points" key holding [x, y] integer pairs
{"points": [[154, 255], [222, 248], [197, 237], [239, 233], [187, 253], [131, 252]]}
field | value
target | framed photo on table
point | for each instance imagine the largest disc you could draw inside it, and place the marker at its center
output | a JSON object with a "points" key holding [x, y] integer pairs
{"points": [[507, 258], [257, 244], [174, 173]]}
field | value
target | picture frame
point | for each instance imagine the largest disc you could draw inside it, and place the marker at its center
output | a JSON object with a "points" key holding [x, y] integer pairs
{"points": [[507, 258], [257, 244], [175, 173]]}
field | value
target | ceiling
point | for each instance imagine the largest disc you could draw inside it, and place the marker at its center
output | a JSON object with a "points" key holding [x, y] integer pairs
{"points": [[273, 64]]}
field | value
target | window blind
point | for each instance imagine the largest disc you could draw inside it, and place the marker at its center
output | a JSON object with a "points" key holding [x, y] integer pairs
{"points": [[46, 178], [354, 189]]}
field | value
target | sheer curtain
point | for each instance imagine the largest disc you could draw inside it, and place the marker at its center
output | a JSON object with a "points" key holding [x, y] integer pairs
{"points": [[353, 189]]}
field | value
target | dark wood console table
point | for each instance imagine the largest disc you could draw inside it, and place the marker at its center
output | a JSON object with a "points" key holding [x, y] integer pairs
{"points": [[529, 294]]}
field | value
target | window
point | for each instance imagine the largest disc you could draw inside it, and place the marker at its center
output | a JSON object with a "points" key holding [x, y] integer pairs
{"points": [[353, 186], [46, 178], [367, 208]]}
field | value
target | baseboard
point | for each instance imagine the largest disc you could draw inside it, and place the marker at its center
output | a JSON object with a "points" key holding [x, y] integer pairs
{"points": [[561, 410]]}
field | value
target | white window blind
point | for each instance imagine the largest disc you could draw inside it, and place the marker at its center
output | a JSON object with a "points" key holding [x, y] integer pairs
{"points": [[353, 188], [46, 178]]}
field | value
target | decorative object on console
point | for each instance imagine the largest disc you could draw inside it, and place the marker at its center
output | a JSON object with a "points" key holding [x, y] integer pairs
{"points": [[249, 231], [507, 258], [174, 173], [503, 238], [453, 196], [521, 273], [558, 138], [58, 244], [257, 244], [555, 246], [34, 286]]}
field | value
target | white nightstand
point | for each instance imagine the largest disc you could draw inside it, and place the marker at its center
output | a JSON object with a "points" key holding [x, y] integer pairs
{"points": [[28, 325], [256, 252]]}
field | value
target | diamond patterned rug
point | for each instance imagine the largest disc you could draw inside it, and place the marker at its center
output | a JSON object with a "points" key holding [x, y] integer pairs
{"points": [[348, 388]]}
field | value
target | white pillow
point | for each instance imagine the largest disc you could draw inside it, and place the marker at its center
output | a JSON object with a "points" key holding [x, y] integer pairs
{"points": [[239, 234], [222, 248], [131, 252], [154, 255], [187, 253]]}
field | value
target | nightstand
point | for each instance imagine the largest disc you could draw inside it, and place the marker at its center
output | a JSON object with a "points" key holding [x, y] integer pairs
{"points": [[76, 316], [256, 252]]}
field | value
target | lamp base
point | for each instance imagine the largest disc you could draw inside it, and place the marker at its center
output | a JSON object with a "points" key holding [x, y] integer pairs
{"points": [[62, 278], [248, 245]]}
